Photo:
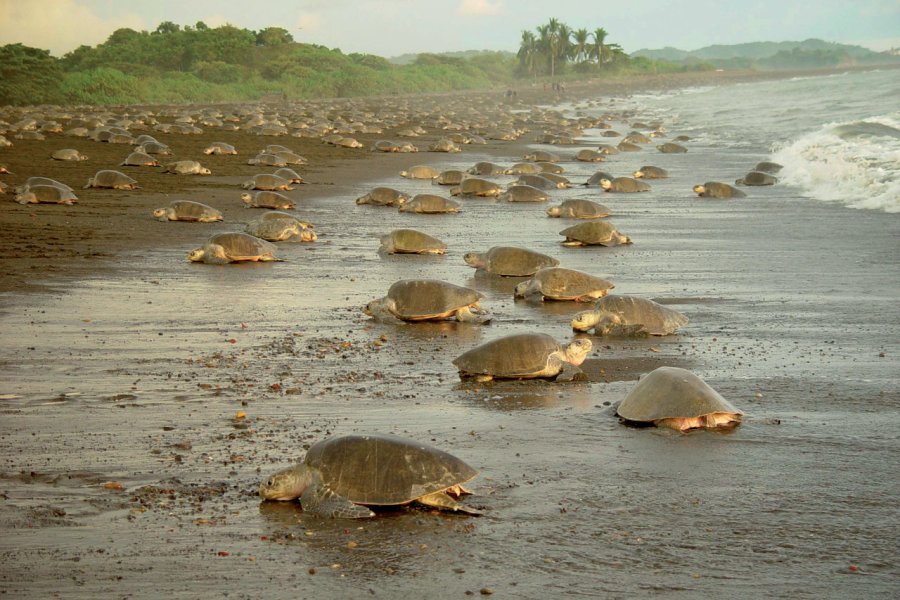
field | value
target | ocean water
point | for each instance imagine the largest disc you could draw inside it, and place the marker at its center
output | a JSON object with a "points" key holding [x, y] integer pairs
{"points": [[838, 136]]}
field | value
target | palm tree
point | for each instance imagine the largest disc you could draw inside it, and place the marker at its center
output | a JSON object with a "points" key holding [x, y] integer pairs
{"points": [[580, 45], [599, 50], [552, 42], [564, 48], [529, 52]]}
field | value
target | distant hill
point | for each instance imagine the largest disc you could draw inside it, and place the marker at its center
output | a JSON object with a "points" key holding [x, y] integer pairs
{"points": [[810, 52], [408, 59]]}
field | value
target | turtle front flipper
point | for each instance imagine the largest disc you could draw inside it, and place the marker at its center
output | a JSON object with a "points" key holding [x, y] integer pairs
{"points": [[570, 372], [442, 501], [321, 500], [473, 314]]}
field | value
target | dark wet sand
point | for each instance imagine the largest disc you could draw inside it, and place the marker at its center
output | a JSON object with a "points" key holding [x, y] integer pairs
{"points": [[123, 363]]}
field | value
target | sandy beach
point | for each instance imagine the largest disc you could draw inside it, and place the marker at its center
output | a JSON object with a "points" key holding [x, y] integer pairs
{"points": [[145, 398]]}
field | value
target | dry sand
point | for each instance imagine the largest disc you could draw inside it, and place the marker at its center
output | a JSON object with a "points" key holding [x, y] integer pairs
{"points": [[125, 365]]}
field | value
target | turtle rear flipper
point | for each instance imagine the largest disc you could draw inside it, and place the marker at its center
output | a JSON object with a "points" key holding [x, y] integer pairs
{"points": [[321, 500], [442, 501]]}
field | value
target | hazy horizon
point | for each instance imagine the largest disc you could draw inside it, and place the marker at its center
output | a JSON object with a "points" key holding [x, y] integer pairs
{"points": [[392, 28]]}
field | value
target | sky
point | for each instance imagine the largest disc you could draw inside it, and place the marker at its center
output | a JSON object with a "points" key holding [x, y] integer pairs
{"points": [[393, 27]]}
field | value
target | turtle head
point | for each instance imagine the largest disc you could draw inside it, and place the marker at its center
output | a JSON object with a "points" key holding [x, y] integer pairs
{"points": [[606, 184], [577, 351], [553, 211], [205, 171], [287, 484], [246, 198], [363, 199], [474, 259], [700, 189], [196, 255], [637, 174], [161, 214], [526, 288], [585, 320], [308, 235]]}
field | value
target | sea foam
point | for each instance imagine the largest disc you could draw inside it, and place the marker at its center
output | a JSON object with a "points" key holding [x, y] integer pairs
{"points": [[855, 163]]}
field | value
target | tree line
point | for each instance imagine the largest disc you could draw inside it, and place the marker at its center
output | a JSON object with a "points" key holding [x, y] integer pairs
{"points": [[178, 64]]}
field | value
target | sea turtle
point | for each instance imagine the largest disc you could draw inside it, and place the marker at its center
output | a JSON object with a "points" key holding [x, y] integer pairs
{"points": [[524, 168], [154, 147], [589, 155], [275, 226], [430, 204], [536, 181], [757, 178], [717, 189], [624, 146], [678, 399], [636, 137], [187, 210], [524, 356], [523, 193], [560, 181], [289, 174], [111, 179], [486, 168], [450, 177], [509, 261], [542, 156], [386, 146], [627, 185], [420, 172], [267, 199], [444, 145], [579, 209], [140, 159], [549, 167], [671, 148], [629, 315], [768, 167], [68, 154], [267, 181], [596, 178], [558, 283], [186, 167], [593, 233], [267, 160], [290, 157], [33, 181], [224, 248], [410, 241], [219, 148], [383, 196], [428, 300], [341, 476], [274, 148], [650, 172], [46, 194], [475, 186], [607, 149]]}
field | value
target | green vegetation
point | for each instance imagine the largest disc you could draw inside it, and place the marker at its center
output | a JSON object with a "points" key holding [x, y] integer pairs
{"points": [[808, 54], [175, 64]]}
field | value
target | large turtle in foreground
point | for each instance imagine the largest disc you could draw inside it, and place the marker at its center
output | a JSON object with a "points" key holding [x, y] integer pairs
{"points": [[224, 248], [509, 261], [187, 210], [524, 356], [629, 315], [593, 233], [341, 476], [428, 300], [558, 283], [678, 399]]}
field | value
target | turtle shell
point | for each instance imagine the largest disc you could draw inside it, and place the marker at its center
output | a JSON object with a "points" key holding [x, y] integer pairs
{"points": [[479, 187], [410, 241], [672, 393], [421, 299], [430, 204], [241, 246], [188, 210], [656, 318], [382, 469], [593, 233], [582, 209], [628, 185], [518, 355], [110, 179], [559, 283], [266, 181], [523, 193], [596, 177], [511, 261]]}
